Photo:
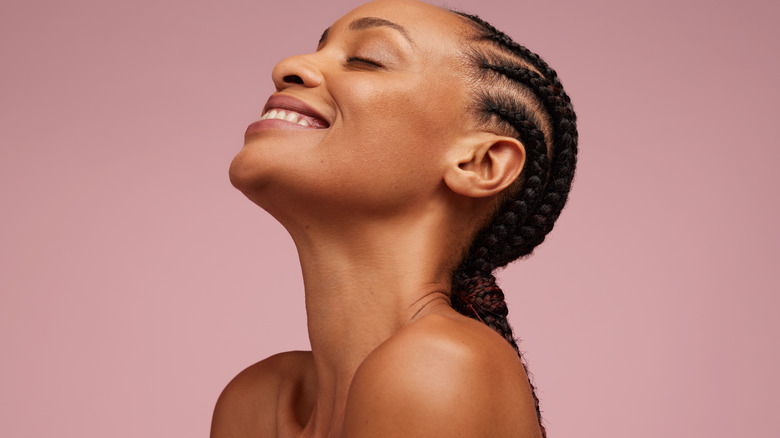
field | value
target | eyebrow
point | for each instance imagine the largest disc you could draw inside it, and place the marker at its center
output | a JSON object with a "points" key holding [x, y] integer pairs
{"points": [[369, 22]]}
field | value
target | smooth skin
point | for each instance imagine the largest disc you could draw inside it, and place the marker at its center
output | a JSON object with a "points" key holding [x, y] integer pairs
{"points": [[380, 205]]}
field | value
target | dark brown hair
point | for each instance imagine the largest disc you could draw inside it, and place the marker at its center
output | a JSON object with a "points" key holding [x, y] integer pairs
{"points": [[516, 92]]}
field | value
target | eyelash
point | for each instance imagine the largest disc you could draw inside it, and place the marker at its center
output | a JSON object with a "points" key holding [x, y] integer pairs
{"points": [[364, 61]]}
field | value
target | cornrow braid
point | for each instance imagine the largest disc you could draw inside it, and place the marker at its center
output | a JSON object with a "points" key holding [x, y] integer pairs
{"points": [[522, 92]]}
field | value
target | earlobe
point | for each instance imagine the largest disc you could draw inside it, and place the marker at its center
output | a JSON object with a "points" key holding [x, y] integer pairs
{"points": [[485, 166]]}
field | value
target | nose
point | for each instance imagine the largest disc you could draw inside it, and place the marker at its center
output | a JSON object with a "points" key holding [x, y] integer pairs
{"points": [[296, 70]]}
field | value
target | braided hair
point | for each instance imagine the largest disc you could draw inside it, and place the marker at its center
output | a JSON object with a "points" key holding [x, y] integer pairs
{"points": [[520, 95]]}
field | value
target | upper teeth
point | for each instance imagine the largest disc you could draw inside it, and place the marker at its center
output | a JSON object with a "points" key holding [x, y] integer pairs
{"points": [[290, 116]]}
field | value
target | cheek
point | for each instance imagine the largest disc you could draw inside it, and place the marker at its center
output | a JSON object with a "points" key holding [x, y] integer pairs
{"points": [[377, 109], [404, 120]]}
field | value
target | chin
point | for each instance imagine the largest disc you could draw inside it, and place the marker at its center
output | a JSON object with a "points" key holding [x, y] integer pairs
{"points": [[259, 178], [246, 174]]}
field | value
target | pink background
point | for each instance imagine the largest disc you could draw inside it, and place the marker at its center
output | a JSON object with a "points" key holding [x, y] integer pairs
{"points": [[135, 281]]}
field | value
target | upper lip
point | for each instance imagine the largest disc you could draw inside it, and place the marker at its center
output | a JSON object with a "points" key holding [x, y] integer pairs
{"points": [[283, 101]]}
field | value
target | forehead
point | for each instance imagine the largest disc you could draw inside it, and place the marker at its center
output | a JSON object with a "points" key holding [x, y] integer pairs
{"points": [[428, 27]]}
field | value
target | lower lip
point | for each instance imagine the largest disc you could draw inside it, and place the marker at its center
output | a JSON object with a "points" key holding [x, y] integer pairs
{"points": [[267, 124]]}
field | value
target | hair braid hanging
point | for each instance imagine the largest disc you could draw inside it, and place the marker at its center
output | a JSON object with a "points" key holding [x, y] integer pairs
{"points": [[522, 221]]}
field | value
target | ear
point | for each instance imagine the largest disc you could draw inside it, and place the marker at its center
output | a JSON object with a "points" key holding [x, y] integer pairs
{"points": [[484, 165]]}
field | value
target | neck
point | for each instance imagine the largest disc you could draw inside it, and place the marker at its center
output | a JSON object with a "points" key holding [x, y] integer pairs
{"points": [[362, 285]]}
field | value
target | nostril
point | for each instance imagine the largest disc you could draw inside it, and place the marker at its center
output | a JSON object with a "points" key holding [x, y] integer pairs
{"points": [[293, 79]]}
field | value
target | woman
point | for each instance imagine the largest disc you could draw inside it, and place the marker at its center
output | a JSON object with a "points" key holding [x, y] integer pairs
{"points": [[416, 151]]}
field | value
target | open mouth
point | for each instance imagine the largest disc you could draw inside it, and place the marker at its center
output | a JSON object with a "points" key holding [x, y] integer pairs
{"points": [[292, 116], [290, 109]]}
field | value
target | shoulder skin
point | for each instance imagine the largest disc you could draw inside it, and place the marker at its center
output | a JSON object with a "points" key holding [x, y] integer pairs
{"points": [[441, 376], [247, 407]]}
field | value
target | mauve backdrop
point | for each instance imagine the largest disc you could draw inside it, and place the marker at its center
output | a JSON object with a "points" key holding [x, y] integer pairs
{"points": [[135, 281]]}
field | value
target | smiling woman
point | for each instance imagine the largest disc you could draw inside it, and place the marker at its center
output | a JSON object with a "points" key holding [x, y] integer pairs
{"points": [[415, 152]]}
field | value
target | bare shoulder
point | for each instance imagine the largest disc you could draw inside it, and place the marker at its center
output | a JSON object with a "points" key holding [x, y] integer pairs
{"points": [[248, 405], [441, 376]]}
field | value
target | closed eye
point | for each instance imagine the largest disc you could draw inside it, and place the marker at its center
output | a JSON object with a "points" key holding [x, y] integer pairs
{"points": [[356, 59]]}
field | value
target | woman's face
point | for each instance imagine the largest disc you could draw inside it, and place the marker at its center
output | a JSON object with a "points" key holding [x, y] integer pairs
{"points": [[390, 90]]}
